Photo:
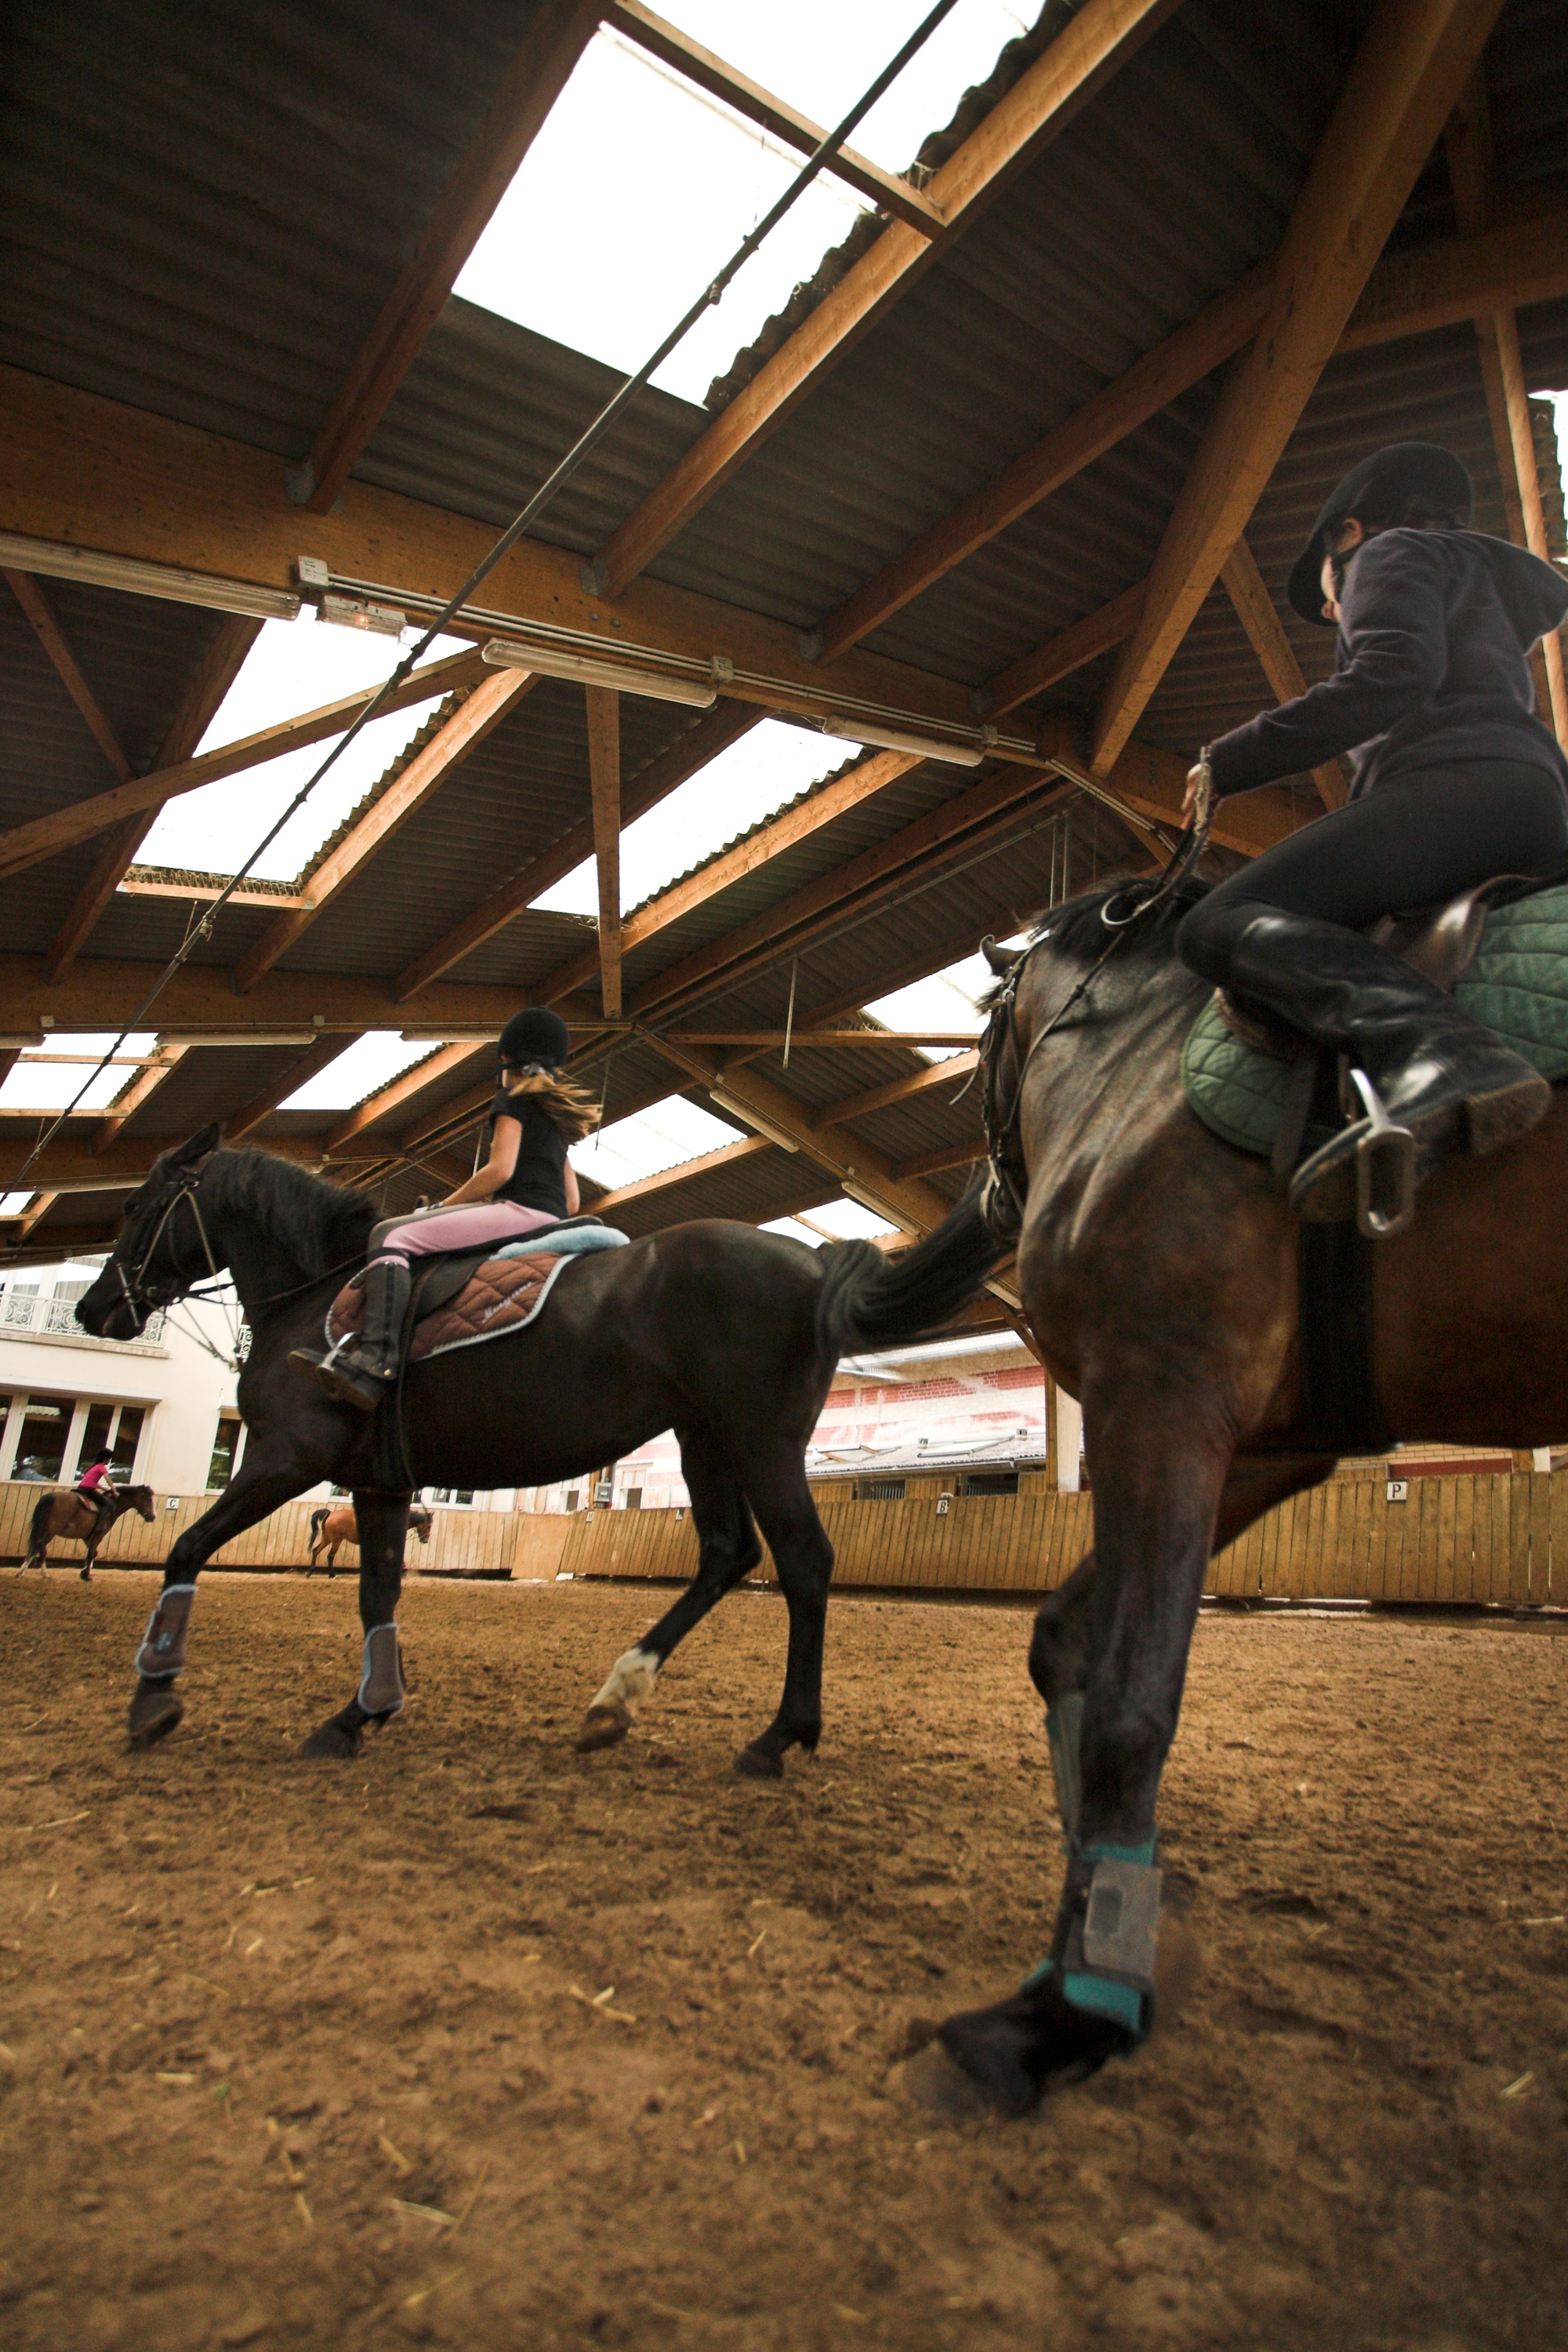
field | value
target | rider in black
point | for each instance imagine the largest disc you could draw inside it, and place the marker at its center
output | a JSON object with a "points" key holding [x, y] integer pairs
{"points": [[1454, 780], [525, 1185]]}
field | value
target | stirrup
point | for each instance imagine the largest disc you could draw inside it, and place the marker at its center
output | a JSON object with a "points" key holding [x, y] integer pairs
{"points": [[1384, 1157]]}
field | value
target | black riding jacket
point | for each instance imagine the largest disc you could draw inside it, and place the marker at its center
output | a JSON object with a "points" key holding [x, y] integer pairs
{"points": [[1431, 669]]}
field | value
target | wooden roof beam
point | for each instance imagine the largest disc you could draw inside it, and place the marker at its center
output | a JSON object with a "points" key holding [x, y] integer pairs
{"points": [[434, 1071], [1254, 609], [795, 824], [1413, 61], [1092, 45], [299, 1073], [947, 1155], [535, 78], [605, 784], [746, 1147], [898, 1090], [138, 1094], [199, 706], [65, 828], [51, 637], [475, 717], [696, 64], [714, 732]]}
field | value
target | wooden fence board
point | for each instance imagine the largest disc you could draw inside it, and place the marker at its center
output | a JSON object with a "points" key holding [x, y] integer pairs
{"points": [[1558, 1586], [1539, 1536], [1518, 1536]]}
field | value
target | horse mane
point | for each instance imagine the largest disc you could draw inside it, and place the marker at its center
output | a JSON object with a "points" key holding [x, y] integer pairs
{"points": [[1078, 934], [316, 1224]]}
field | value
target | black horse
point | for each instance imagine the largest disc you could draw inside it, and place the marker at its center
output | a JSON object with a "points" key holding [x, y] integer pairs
{"points": [[727, 1334]]}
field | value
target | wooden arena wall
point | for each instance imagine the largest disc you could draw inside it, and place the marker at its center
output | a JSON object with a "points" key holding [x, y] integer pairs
{"points": [[1481, 1538]]}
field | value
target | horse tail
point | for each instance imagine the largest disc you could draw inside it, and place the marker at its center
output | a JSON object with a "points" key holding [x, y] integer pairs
{"points": [[870, 1300], [38, 1531], [319, 1518]]}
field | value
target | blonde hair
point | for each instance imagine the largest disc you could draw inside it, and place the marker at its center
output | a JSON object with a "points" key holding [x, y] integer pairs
{"points": [[571, 1112]]}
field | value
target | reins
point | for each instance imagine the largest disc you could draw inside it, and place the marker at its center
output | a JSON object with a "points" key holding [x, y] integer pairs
{"points": [[998, 1126]]}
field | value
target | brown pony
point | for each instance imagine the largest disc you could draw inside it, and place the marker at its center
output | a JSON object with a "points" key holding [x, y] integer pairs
{"points": [[333, 1524], [1159, 1270], [63, 1512]]}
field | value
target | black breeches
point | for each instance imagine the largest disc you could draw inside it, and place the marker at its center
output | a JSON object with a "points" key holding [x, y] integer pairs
{"points": [[1413, 843]]}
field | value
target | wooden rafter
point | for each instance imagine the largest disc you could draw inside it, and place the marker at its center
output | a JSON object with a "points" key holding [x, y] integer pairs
{"points": [[1111, 625], [1467, 145], [898, 1090], [475, 718], [1254, 609], [1412, 64], [744, 1146], [536, 75], [51, 637], [721, 727], [138, 1094], [947, 1155], [689, 59], [1089, 50], [199, 706], [199, 1002], [299, 1073], [605, 784], [432, 1072], [795, 824], [25, 844]]}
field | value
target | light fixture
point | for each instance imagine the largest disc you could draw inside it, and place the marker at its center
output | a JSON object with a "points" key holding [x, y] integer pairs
{"points": [[178, 1036], [355, 612], [924, 746], [755, 1120], [54, 562], [699, 689], [874, 1207]]}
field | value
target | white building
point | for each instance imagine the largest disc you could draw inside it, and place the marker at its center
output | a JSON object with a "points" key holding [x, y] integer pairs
{"points": [[163, 1404]]}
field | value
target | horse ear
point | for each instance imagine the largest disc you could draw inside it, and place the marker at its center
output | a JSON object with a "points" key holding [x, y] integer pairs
{"points": [[199, 1147], [1001, 960]]}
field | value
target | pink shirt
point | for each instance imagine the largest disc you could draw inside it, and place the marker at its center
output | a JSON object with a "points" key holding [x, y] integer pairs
{"points": [[95, 1479]]}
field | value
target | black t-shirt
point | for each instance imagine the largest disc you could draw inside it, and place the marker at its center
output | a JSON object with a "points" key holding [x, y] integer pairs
{"points": [[539, 1179]]}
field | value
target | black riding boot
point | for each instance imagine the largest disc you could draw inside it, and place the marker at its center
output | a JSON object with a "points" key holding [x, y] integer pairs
{"points": [[363, 1372], [1439, 1073]]}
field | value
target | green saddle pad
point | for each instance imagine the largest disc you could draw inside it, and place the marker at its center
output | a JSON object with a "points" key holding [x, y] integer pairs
{"points": [[1518, 985]]}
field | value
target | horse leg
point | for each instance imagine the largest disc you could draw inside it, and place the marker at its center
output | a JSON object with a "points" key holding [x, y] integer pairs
{"points": [[272, 1474], [728, 1549], [382, 1532], [93, 1543], [1118, 1647], [804, 1560]]}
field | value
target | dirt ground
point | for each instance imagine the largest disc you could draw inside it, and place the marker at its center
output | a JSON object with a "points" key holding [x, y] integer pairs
{"points": [[476, 2042]]}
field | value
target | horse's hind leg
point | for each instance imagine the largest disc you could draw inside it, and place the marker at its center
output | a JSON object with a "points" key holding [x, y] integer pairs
{"points": [[728, 1549], [804, 1560], [382, 1532]]}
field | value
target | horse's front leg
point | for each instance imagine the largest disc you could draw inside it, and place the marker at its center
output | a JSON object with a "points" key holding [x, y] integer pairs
{"points": [[382, 1533], [1111, 1668], [273, 1473]]}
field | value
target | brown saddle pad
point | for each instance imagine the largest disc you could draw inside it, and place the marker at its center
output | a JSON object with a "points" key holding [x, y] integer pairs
{"points": [[499, 1295]]}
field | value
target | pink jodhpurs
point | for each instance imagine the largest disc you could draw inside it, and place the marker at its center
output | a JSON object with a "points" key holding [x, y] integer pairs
{"points": [[469, 1227]]}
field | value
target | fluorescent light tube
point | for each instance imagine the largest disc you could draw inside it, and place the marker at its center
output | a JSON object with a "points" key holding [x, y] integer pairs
{"points": [[893, 739], [755, 1120], [54, 561], [624, 677]]}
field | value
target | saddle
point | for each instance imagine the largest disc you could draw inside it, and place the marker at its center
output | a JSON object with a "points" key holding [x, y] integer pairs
{"points": [[438, 1278], [1272, 1090]]}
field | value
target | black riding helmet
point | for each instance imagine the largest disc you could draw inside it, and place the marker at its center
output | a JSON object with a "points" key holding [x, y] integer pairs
{"points": [[1381, 490], [537, 1036]]}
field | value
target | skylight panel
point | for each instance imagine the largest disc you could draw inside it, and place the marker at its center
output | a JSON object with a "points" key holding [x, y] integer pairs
{"points": [[846, 1221], [369, 1064], [650, 1141], [947, 999], [34, 1083], [746, 785], [678, 179], [293, 667]]}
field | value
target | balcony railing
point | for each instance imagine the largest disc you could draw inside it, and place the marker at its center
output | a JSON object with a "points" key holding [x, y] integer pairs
{"points": [[26, 1311]]}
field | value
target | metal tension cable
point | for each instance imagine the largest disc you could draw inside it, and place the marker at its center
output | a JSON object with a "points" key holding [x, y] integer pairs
{"points": [[580, 449]]}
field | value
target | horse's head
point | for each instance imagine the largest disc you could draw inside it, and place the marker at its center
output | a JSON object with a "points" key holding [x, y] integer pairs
{"points": [[162, 1250], [420, 1522], [139, 1498]]}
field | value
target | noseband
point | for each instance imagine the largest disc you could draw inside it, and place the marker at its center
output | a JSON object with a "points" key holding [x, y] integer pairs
{"points": [[144, 1297]]}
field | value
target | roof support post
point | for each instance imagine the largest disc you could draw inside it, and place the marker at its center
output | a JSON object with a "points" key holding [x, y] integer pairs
{"points": [[604, 781], [1412, 64]]}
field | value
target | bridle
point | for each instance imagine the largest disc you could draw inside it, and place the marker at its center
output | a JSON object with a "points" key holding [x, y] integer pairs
{"points": [[144, 1297], [1007, 1177]]}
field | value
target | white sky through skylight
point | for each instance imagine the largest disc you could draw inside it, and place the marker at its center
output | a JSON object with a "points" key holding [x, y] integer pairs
{"points": [[744, 784], [361, 1069], [638, 184], [630, 1149], [49, 1086], [293, 667]]}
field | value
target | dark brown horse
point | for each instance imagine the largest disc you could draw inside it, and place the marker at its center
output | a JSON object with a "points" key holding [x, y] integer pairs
{"points": [[1159, 1271], [63, 1512], [333, 1524], [726, 1335]]}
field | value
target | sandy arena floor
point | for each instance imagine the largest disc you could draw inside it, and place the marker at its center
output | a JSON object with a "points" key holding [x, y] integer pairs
{"points": [[299, 2056]]}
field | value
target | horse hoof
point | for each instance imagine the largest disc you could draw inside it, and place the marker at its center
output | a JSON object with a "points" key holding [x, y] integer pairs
{"points": [[154, 1711], [757, 1763], [86, 1576], [1017, 2049], [936, 2082], [333, 1739], [606, 1725]]}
